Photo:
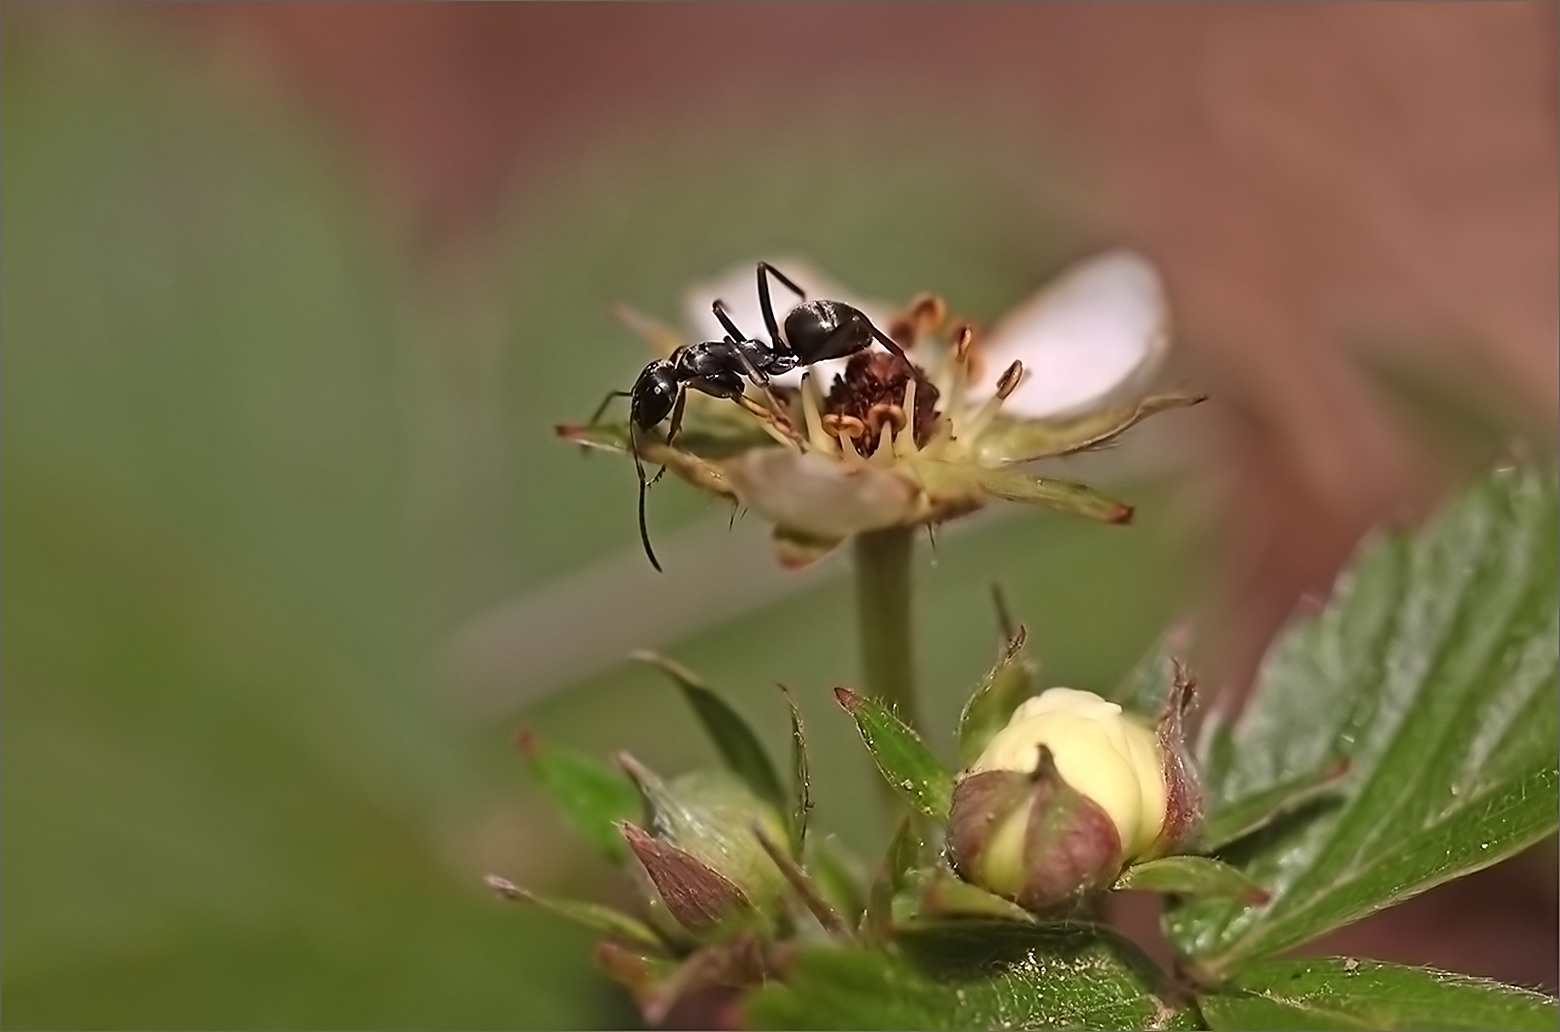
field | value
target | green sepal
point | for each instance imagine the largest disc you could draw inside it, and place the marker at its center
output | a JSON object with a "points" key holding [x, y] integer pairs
{"points": [[591, 916], [733, 737], [1011, 441], [1005, 686], [592, 796], [1067, 496], [901, 757], [1192, 876]]}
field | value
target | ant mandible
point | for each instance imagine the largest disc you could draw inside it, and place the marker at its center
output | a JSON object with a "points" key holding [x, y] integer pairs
{"points": [[815, 331]]}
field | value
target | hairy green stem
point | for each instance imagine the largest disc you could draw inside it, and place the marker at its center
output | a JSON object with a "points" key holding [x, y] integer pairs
{"points": [[882, 560]]}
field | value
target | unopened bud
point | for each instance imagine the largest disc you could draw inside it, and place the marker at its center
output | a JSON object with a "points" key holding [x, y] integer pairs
{"points": [[1031, 838], [699, 851], [1070, 792]]}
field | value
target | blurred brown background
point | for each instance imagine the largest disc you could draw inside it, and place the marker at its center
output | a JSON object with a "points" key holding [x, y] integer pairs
{"points": [[1311, 178], [1303, 172]]}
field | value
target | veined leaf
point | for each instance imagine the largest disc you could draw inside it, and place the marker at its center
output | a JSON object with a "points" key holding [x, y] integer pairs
{"points": [[1341, 993], [1434, 670], [973, 975], [1241, 817]]}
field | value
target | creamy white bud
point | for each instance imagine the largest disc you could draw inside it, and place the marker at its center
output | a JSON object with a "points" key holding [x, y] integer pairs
{"points": [[1101, 752]]}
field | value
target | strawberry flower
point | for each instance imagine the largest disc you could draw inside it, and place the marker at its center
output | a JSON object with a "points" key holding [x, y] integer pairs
{"points": [[866, 443]]}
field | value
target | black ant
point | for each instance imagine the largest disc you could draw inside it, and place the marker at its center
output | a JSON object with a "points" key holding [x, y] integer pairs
{"points": [[815, 331]]}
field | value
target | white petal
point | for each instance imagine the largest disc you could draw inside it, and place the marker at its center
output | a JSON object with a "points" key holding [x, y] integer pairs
{"points": [[1100, 326], [738, 288], [820, 496]]}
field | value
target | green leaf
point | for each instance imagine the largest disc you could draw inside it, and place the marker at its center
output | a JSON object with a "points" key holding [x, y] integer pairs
{"points": [[736, 742], [1241, 817], [901, 757], [1341, 993], [999, 693], [591, 916], [973, 975], [801, 778], [592, 795], [1434, 670], [1191, 876], [1062, 495]]}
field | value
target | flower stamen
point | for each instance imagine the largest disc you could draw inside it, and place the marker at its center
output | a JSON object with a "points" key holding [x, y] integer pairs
{"points": [[959, 376], [848, 446], [882, 412], [1006, 385], [904, 442], [884, 454], [812, 407]]}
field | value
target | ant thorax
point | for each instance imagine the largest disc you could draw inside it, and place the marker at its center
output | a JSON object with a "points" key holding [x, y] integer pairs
{"points": [[871, 392]]}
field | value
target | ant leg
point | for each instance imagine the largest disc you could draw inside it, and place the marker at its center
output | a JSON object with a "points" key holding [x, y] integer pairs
{"points": [[719, 308], [644, 531], [758, 376], [595, 417], [764, 271], [677, 417]]}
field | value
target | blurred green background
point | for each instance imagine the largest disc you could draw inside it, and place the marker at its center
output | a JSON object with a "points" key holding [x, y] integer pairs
{"points": [[290, 550], [262, 482]]}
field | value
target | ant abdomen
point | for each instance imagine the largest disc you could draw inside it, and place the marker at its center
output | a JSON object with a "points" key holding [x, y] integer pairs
{"points": [[820, 330]]}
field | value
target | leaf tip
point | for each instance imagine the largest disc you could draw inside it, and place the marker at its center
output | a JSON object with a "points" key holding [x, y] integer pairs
{"points": [[849, 700], [1122, 514]]}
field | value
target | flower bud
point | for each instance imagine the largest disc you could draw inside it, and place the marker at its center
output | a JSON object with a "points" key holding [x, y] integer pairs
{"points": [[700, 855], [1067, 794], [1030, 838]]}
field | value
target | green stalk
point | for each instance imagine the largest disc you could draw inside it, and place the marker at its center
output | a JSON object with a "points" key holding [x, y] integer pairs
{"points": [[882, 560]]}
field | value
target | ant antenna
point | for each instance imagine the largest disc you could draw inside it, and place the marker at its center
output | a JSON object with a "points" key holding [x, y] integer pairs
{"points": [[639, 467]]}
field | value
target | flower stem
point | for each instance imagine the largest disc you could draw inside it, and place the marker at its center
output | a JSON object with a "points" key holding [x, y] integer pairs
{"points": [[882, 560]]}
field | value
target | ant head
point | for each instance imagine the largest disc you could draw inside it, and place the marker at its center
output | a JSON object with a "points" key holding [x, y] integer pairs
{"points": [[654, 394], [820, 330]]}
